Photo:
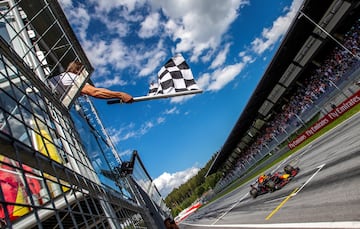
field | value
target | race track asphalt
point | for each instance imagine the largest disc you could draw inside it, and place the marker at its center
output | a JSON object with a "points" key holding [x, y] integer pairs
{"points": [[325, 193]]}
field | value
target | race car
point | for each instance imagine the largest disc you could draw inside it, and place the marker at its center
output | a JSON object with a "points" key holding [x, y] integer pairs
{"points": [[272, 182]]}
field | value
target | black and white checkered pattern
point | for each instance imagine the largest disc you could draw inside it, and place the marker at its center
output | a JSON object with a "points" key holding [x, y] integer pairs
{"points": [[174, 76]]}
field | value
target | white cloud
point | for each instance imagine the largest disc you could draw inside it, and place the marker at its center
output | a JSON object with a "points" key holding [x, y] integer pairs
{"points": [[125, 153], [166, 182], [204, 80], [121, 134], [116, 80], [220, 58], [242, 53], [150, 26], [181, 99], [248, 59], [118, 56], [129, 135], [270, 36], [173, 110], [66, 3], [160, 120], [153, 59], [219, 78], [109, 5], [132, 131], [79, 17], [187, 19], [114, 135], [101, 53], [119, 27], [146, 127]]}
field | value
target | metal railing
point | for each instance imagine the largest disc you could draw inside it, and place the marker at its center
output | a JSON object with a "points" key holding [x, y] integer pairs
{"points": [[48, 174]]}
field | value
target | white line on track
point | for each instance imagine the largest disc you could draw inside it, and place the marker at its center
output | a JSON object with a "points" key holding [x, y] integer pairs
{"points": [[275, 200], [319, 168], [345, 224], [231, 208]]}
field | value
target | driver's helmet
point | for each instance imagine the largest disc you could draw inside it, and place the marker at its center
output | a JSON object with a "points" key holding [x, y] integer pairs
{"points": [[261, 178]]}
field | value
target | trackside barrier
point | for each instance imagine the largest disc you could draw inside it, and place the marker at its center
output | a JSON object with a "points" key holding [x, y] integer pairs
{"points": [[327, 119]]}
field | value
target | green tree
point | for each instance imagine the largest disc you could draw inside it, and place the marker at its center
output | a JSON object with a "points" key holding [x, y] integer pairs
{"points": [[200, 190]]}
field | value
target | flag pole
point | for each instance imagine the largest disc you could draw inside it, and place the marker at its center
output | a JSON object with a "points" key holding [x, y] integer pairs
{"points": [[159, 96]]}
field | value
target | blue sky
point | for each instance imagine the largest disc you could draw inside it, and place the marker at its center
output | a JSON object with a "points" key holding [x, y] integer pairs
{"points": [[228, 44]]}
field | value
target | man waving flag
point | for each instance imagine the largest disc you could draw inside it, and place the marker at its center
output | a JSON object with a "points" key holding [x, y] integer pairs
{"points": [[174, 79]]}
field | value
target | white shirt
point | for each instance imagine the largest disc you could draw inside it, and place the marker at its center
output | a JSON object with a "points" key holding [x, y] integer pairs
{"points": [[68, 78]]}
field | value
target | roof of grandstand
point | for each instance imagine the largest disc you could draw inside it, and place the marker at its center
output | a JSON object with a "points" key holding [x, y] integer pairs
{"points": [[303, 46]]}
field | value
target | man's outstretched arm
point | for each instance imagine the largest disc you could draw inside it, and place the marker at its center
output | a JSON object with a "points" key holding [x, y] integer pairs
{"points": [[103, 93]]}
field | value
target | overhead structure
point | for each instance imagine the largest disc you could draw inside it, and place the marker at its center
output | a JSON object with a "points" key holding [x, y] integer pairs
{"points": [[302, 45]]}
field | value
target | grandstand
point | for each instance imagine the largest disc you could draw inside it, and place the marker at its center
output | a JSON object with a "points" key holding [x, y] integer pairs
{"points": [[315, 68]]}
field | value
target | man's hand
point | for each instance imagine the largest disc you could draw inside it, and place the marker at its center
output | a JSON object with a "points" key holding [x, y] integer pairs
{"points": [[126, 98]]}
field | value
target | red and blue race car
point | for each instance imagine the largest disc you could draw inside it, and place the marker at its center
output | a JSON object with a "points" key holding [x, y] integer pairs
{"points": [[272, 182]]}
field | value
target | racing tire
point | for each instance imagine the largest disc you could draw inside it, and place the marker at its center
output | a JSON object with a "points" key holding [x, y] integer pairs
{"points": [[254, 192], [288, 169], [271, 185]]}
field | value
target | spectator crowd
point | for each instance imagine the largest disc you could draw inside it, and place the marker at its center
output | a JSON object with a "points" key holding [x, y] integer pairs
{"points": [[309, 89]]}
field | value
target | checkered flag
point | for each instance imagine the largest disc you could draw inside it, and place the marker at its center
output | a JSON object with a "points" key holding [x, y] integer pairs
{"points": [[153, 89], [174, 79], [175, 76]]}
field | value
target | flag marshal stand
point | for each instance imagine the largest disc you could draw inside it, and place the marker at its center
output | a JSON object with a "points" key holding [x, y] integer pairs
{"points": [[159, 96]]}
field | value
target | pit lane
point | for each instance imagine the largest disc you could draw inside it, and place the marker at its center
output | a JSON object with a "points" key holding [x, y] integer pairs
{"points": [[327, 190]]}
